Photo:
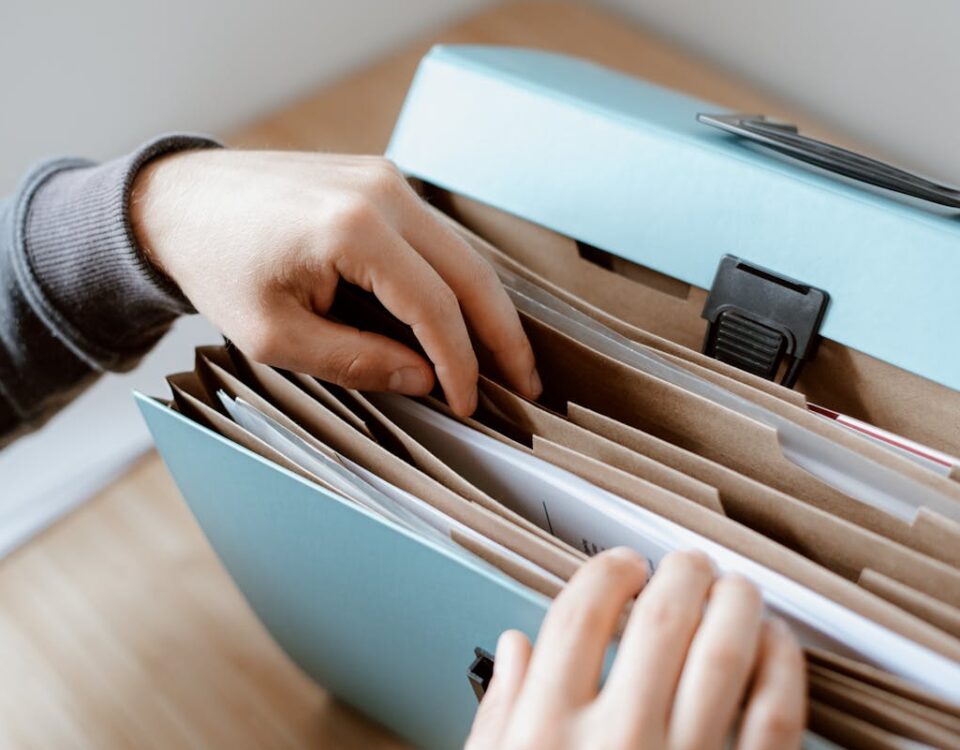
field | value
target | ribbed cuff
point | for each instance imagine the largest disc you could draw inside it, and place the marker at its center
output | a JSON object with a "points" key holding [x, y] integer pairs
{"points": [[78, 262]]}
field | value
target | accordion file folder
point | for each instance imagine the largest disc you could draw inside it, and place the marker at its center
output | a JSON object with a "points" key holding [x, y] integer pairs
{"points": [[611, 192]]}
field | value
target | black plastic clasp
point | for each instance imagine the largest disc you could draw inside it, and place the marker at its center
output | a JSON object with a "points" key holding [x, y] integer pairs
{"points": [[760, 320], [480, 672]]}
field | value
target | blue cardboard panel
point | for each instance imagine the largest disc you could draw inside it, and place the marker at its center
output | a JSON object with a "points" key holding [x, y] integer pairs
{"points": [[384, 620], [623, 165]]}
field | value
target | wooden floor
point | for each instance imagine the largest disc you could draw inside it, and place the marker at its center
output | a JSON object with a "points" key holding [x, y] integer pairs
{"points": [[118, 627]]}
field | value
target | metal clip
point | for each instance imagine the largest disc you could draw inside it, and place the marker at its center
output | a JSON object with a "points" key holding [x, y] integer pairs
{"points": [[786, 139]]}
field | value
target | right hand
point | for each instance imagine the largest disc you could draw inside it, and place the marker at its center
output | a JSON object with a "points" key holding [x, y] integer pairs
{"points": [[694, 653], [259, 241]]}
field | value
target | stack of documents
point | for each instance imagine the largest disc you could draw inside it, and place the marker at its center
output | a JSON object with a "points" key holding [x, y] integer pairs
{"points": [[851, 539]]}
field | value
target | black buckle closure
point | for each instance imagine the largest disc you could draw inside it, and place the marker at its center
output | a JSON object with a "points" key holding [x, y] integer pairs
{"points": [[480, 672], [758, 320]]}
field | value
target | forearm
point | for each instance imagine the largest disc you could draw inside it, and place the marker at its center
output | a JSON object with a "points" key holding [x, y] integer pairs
{"points": [[77, 297]]}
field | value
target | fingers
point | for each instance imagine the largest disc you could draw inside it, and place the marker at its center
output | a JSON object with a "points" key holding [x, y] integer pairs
{"points": [[719, 663], [573, 639], [299, 340], [509, 670], [485, 303], [382, 262], [776, 709], [654, 646]]}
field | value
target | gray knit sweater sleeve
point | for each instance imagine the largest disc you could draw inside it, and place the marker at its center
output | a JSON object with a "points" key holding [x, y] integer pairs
{"points": [[77, 297]]}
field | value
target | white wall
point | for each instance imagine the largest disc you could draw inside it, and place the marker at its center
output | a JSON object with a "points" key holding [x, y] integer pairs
{"points": [[96, 77], [884, 71]]}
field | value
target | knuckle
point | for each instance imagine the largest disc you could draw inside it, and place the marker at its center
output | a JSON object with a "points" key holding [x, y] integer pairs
{"points": [[446, 299], [617, 734], [350, 369], [383, 175], [617, 563], [353, 215], [736, 586], [579, 616], [537, 734], [482, 274], [693, 561], [780, 722], [663, 615], [725, 657]]}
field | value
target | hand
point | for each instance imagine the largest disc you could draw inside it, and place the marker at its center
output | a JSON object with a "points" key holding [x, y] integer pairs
{"points": [[258, 241], [694, 647]]}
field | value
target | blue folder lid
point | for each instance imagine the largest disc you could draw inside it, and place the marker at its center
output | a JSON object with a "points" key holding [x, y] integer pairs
{"points": [[622, 164]]}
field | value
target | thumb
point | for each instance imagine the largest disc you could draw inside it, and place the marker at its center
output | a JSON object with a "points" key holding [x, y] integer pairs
{"points": [[302, 341], [509, 672]]}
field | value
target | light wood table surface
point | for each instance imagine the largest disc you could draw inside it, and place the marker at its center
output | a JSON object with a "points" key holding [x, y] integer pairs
{"points": [[118, 626]]}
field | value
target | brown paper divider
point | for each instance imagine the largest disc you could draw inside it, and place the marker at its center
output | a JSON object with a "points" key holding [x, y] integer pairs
{"points": [[352, 403], [827, 539], [577, 373], [637, 333], [927, 713], [849, 439], [215, 377], [540, 422], [187, 392], [334, 434], [922, 711], [936, 536], [189, 383], [429, 464], [318, 392], [924, 606], [216, 353], [885, 714], [303, 410], [839, 377], [870, 675], [529, 578], [752, 545], [955, 473], [850, 732]]}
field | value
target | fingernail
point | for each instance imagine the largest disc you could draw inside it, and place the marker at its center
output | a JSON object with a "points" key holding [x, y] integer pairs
{"points": [[625, 553], [408, 380], [536, 385], [630, 556], [472, 405]]}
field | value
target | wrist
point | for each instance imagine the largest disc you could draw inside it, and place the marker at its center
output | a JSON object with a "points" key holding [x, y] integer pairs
{"points": [[146, 210], [80, 261]]}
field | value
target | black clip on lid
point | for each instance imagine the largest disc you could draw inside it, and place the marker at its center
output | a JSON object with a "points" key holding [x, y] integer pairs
{"points": [[758, 319]]}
